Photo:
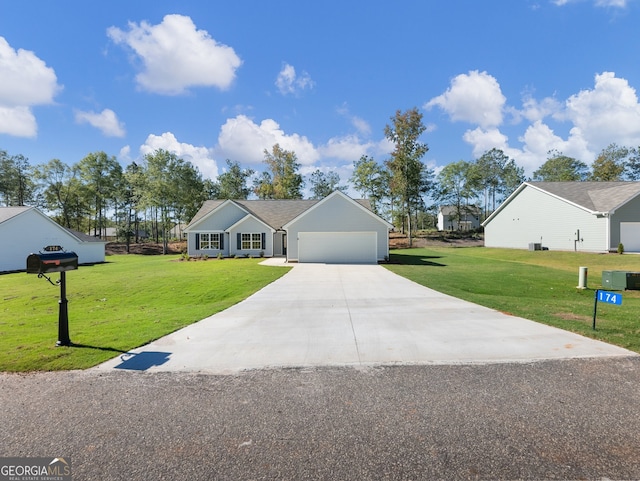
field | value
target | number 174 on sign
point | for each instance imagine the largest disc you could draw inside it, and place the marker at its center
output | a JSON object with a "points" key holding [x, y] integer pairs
{"points": [[609, 297]]}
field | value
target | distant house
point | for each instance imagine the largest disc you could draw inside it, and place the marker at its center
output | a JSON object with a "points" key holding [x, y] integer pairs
{"points": [[580, 216], [465, 218], [177, 232], [26, 230], [336, 229], [108, 233]]}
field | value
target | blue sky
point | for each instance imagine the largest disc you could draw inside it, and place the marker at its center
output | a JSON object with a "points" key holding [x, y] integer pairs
{"points": [[226, 80]]}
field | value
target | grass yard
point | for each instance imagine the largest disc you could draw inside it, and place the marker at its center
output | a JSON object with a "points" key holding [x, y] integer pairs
{"points": [[539, 285], [113, 307]]}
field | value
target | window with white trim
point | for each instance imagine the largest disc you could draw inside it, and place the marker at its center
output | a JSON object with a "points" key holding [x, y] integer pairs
{"points": [[210, 241], [251, 241]]}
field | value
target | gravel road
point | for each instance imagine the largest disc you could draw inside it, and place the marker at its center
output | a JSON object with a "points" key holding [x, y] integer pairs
{"points": [[575, 419]]}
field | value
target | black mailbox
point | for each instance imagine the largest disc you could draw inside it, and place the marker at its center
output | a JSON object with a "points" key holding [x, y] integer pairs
{"points": [[44, 263]]}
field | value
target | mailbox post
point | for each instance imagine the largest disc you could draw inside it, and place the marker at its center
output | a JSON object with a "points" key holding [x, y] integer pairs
{"points": [[54, 259]]}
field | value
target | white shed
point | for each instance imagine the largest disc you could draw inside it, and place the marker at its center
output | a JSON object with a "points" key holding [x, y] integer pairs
{"points": [[26, 230], [580, 216]]}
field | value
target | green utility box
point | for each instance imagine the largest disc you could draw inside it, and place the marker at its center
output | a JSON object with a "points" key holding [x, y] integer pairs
{"points": [[621, 280]]}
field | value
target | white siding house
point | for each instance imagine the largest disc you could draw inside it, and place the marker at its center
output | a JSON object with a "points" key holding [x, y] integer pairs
{"points": [[334, 229], [26, 230], [465, 218], [580, 216]]}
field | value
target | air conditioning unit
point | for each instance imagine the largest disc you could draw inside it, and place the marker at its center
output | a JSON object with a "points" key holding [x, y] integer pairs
{"points": [[535, 246], [621, 280]]}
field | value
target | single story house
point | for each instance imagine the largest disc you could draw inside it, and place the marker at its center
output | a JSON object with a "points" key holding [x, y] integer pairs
{"points": [[336, 229], [466, 218], [576, 216], [26, 230]]}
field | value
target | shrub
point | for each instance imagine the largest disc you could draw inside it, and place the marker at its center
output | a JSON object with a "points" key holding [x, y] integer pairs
{"points": [[219, 255], [620, 248], [184, 256]]}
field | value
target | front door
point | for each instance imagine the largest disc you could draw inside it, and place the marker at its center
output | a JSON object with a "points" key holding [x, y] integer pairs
{"points": [[284, 244]]}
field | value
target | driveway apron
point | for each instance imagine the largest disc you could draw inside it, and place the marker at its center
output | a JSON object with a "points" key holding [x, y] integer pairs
{"points": [[354, 315]]}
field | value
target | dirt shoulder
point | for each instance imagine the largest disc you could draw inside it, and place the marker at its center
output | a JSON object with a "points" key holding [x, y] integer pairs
{"points": [[399, 241], [396, 241], [144, 248]]}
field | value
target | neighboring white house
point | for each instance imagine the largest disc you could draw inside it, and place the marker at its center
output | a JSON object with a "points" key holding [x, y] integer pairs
{"points": [[581, 216], [335, 229], [26, 230], [466, 218]]}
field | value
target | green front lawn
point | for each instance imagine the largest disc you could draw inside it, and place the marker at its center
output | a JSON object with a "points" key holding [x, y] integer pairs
{"points": [[117, 306], [540, 286]]}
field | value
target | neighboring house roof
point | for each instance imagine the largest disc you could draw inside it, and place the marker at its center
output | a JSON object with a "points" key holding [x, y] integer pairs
{"points": [[7, 213], [274, 213], [83, 237], [594, 197], [452, 209]]}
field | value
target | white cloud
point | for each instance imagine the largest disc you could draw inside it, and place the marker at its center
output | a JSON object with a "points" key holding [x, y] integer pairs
{"points": [[482, 140], [18, 121], [534, 110], [610, 112], [26, 82], [347, 147], [612, 3], [176, 56], [244, 141], [474, 97], [597, 3], [607, 113], [125, 153], [106, 121], [288, 82], [361, 125], [201, 157]]}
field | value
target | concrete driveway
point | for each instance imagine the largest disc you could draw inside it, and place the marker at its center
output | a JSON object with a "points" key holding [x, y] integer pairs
{"points": [[354, 315]]}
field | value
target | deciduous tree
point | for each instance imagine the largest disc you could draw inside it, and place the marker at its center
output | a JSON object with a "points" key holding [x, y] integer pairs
{"points": [[232, 183], [371, 180], [282, 180], [610, 164], [16, 183], [98, 173], [453, 187], [496, 175], [409, 176], [560, 168], [323, 184]]}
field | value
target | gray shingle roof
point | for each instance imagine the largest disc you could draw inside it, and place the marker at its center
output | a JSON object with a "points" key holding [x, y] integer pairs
{"points": [[7, 213], [594, 196], [464, 209], [274, 213]]}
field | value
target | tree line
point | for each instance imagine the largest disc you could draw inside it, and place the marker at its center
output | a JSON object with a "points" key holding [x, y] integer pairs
{"points": [[163, 190]]}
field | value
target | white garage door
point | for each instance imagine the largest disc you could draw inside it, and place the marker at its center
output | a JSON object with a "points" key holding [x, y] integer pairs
{"points": [[338, 247], [630, 236]]}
